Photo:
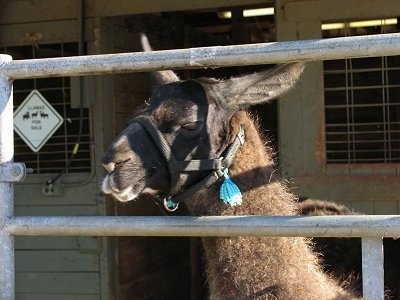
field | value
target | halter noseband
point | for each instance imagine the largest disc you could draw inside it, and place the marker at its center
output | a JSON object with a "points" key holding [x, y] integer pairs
{"points": [[217, 167]]}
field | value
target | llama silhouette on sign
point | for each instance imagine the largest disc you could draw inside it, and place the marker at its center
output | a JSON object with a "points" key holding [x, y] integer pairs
{"points": [[26, 116], [35, 114], [44, 115]]}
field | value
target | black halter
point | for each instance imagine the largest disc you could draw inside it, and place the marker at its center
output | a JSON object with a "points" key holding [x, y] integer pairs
{"points": [[175, 167]]}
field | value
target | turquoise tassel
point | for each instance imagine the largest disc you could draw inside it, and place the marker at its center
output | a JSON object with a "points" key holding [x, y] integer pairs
{"points": [[229, 191]]}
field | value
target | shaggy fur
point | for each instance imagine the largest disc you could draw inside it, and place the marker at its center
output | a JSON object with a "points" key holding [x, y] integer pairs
{"points": [[342, 256], [252, 267]]}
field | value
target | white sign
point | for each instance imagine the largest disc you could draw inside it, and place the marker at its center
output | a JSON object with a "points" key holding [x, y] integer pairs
{"points": [[36, 120]]}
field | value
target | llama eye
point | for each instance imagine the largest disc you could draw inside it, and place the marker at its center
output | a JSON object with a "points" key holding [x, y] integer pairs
{"points": [[191, 126]]}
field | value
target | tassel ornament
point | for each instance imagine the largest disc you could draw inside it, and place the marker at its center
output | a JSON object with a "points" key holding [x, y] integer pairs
{"points": [[229, 192]]}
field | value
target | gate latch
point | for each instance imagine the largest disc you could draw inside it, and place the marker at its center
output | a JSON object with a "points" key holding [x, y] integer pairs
{"points": [[12, 172]]}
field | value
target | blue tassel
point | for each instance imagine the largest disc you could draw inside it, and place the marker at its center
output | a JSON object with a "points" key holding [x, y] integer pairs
{"points": [[229, 191]]}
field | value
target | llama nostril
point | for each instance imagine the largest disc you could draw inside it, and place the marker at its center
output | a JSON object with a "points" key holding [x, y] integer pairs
{"points": [[153, 170], [109, 167]]}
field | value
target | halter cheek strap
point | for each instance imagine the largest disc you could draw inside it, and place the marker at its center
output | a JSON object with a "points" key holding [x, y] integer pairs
{"points": [[218, 167]]}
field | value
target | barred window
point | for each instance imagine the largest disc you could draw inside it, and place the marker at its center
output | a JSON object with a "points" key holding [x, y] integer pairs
{"points": [[362, 107], [55, 154]]}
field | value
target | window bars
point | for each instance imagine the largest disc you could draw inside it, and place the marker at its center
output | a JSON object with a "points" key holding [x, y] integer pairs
{"points": [[54, 155], [362, 108]]}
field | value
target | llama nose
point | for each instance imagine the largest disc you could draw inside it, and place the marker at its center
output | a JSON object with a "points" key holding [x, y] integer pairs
{"points": [[109, 167]]}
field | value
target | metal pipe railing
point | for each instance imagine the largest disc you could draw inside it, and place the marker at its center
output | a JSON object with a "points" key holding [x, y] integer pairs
{"points": [[318, 226], [7, 274], [208, 57]]}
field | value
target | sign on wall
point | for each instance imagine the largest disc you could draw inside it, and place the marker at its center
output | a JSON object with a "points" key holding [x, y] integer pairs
{"points": [[35, 120]]}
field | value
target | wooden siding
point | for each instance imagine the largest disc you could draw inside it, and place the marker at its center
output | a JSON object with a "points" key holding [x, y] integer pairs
{"points": [[57, 267]]}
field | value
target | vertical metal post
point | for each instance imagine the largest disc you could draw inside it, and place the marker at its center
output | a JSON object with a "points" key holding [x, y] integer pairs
{"points": [[372, 268], [7, 274]]}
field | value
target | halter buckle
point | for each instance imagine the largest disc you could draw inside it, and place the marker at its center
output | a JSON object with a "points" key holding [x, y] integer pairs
{"points": [[170, 205]]}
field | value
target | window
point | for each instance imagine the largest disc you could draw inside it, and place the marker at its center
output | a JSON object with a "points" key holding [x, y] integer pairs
{"points": [[362, 106], [55, 154]]}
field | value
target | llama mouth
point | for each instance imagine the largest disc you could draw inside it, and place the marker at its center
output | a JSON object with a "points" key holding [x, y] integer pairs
{"points": [[125, 195]]}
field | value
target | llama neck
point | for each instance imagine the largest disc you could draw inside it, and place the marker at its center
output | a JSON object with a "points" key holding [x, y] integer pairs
{"points": [[253, 267], [253, 171]]}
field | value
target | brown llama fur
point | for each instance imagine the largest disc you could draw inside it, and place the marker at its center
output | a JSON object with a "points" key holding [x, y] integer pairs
{"points": [[260, 267], [342, 256]]}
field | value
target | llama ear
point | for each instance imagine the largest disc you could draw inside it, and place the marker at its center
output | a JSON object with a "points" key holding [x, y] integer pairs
{"points": [[162, 77], [260, 87]]}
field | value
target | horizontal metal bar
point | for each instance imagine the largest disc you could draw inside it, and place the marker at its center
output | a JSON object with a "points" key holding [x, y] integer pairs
{"points": [[323, 226], [208, 57]]}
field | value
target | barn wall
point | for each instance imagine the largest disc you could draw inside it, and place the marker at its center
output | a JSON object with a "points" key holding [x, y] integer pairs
{"points": [[56, 267], [46, 10], [370, 188]]}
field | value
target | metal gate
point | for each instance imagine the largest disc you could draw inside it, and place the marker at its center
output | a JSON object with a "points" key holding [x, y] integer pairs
{"points": [[370, 228]]}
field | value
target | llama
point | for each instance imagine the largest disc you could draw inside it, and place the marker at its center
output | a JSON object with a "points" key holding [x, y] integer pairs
{"points": [[189, 136], [342, 256], [25, 116]]}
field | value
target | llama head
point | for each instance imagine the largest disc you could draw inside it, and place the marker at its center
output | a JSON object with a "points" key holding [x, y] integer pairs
{"points": [[184, 120]]}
